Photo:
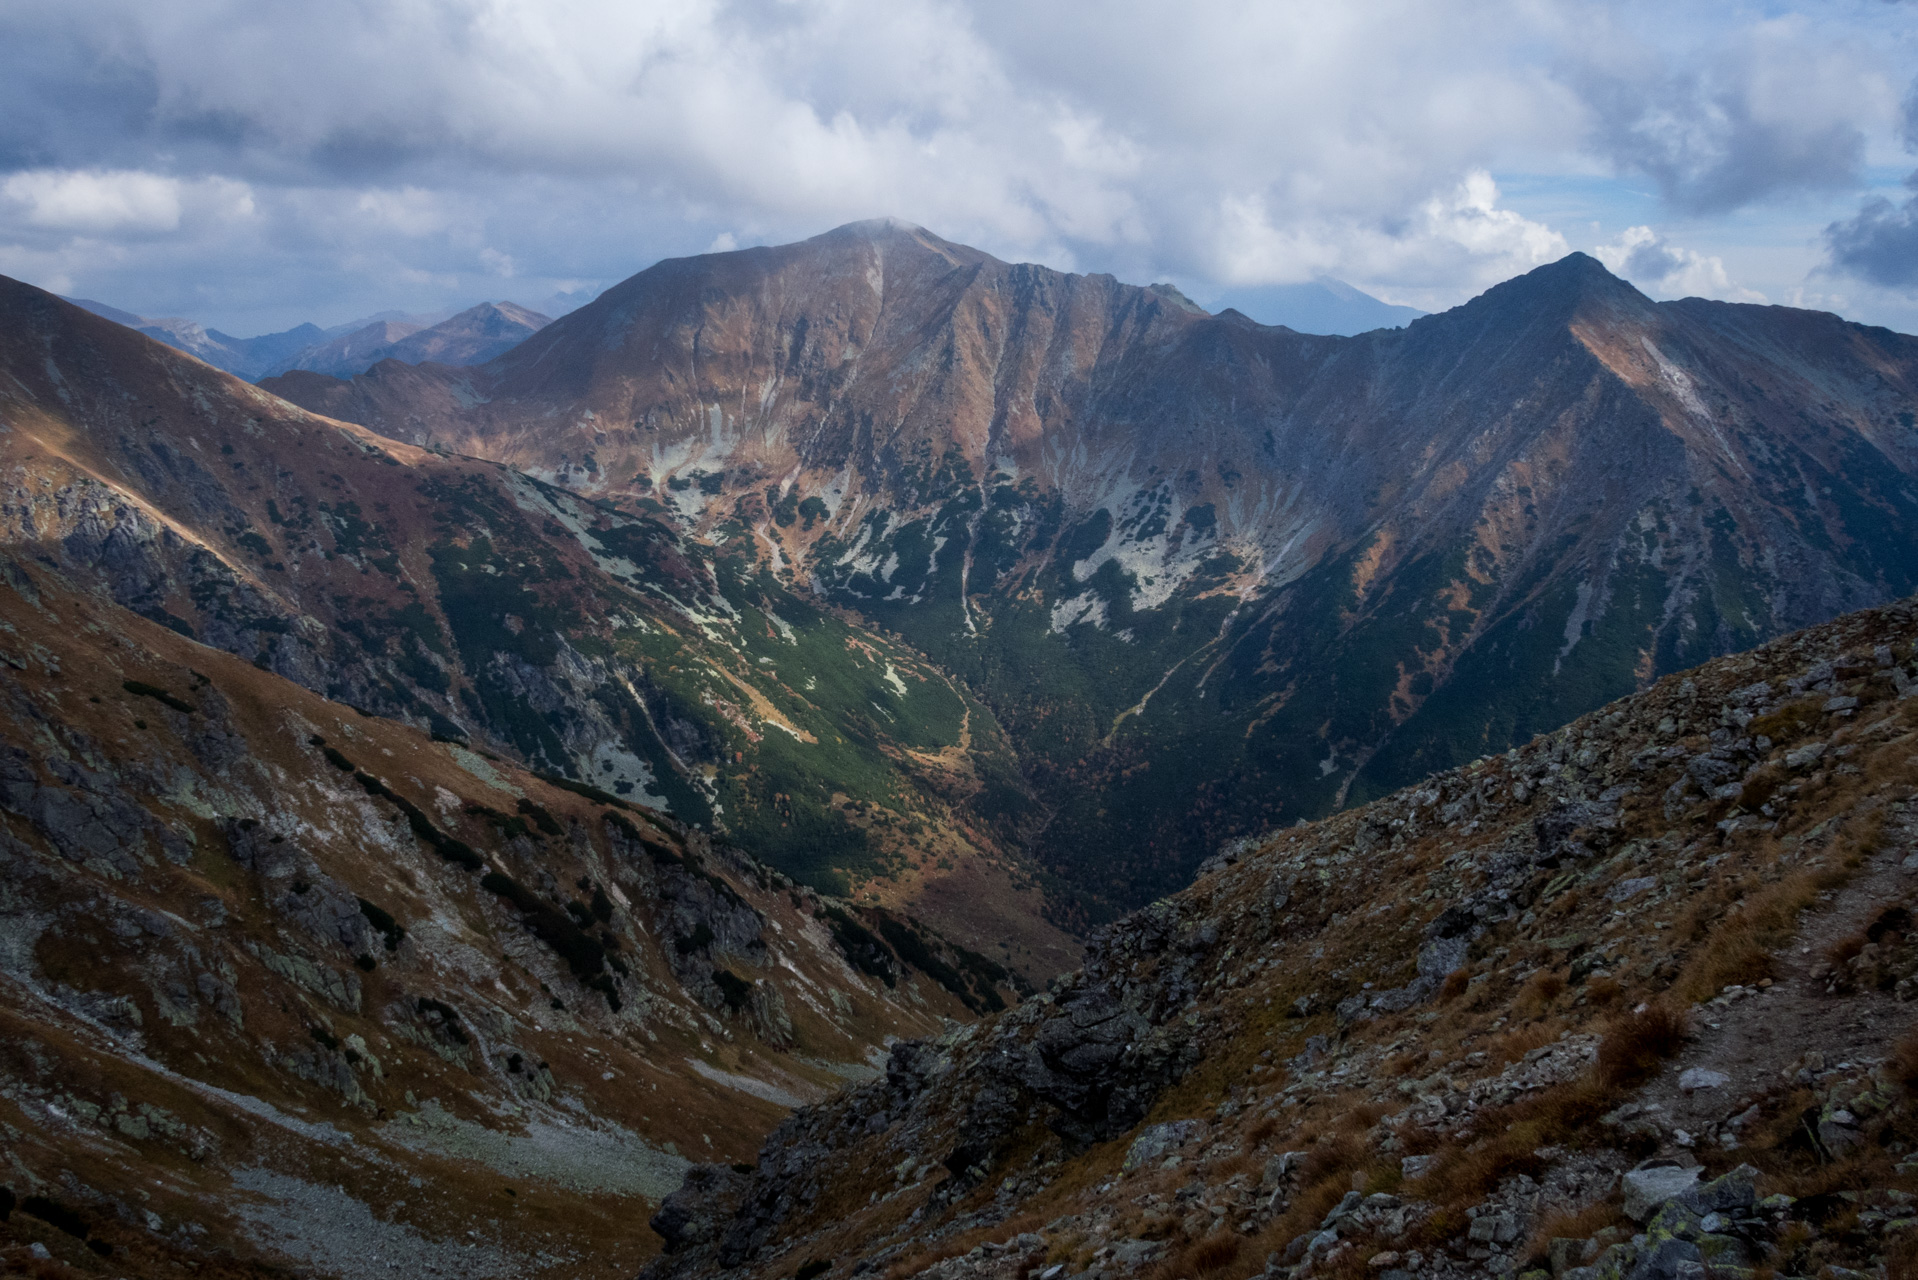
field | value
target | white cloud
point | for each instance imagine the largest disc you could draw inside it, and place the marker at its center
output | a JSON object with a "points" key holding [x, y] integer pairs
{"points": [[1666, 270], [1457, 239], [68, 200], [584, 138], [500, 264]]}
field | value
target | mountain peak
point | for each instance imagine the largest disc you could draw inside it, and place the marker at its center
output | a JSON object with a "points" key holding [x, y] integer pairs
{"points": [[1559, 291]]}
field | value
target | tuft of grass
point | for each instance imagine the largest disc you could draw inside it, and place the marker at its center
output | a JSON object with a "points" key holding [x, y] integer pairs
{"points": [[1639, 1044]]}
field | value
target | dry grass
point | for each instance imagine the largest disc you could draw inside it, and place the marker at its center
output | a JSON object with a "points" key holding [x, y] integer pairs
{"points": [[1638, 1044], [1538, 993], [1736, 946], [1456, 984]]}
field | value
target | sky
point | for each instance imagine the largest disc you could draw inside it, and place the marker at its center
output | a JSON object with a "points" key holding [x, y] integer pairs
{"points": [[257, 164]]}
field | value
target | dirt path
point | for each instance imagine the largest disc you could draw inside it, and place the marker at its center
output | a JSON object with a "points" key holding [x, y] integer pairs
{"points": [[1753, 1039]]}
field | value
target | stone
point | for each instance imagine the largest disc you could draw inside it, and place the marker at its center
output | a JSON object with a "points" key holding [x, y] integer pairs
{"points": [[1155, 1142], [1670, 1259], [1344, 1208], [1804, 757], [1696, 1078], [1136, 1253], [1566, 1252], [1646, 1189], [1632, 888], [1731, 1193], [1416, 1166]]}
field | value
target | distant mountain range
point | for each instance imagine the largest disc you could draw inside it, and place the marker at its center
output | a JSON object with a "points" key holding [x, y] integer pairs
{"points": [[473, 335], [1315, 306]]}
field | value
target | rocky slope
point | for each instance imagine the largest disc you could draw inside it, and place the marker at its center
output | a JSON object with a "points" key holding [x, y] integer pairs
{"points": [[287, 986], [582, 638], [1210, 575], [1637, 998]]}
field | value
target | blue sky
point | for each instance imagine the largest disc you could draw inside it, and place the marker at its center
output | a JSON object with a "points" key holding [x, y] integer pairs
{"points": [[256, 164]]}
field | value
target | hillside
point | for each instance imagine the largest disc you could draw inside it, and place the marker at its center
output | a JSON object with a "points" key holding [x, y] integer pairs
{"points": [[581, 638], [1211, 576], [1633, 999], [286, 986]]}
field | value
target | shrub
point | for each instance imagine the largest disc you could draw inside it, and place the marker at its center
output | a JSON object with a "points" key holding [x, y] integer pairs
{"points": [[55, 1214], [382, 920], [737, 990], [582, 952], [141, 689]]}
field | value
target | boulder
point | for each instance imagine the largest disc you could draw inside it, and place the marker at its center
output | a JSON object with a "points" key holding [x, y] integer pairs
{"points": [[1646, 1189], [1735, 1192]]}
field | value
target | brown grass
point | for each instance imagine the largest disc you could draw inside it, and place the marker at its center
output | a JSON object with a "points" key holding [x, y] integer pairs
{"points": [[1737, 947], [1538, 993], [1512, 1045], [1638, 1044], [1456, 984], [1790, 722]]}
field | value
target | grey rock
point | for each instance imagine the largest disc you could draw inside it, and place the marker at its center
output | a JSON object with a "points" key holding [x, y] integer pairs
{"points": [[1670, 1259], [702, 1208], [1161, 1140], [1136, 1253], [1695, 1078], [1735, 1191], [1646, 1189], [1342, 1210]]}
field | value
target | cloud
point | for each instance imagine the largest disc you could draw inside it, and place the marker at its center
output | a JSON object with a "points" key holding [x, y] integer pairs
{"points": [[1776, 112], [1879, 244], [581, 139], [1457, 237], [67, 200], [1664, 269]]}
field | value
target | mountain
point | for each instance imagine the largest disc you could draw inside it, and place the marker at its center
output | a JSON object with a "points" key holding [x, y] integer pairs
{"points": [[1316, 306], [351, 352], [247, 357], [1208, 575], [471, 337], [581, 639], [1633, 1000], [343, 923]]}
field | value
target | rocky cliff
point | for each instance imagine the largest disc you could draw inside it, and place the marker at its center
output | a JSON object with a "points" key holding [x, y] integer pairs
{"points": [[1639, 998], [1210, 575]]}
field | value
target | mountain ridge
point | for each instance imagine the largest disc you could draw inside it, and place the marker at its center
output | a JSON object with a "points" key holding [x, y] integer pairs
{"points": [[1178, 514]]}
